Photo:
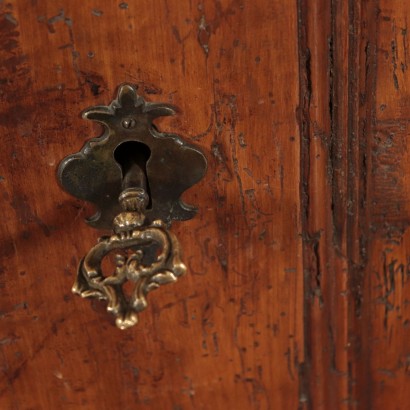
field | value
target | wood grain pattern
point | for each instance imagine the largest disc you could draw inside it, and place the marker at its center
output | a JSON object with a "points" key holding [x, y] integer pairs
{"points": [[355, 202], [388, 292], [228, 335], [297, 295]]}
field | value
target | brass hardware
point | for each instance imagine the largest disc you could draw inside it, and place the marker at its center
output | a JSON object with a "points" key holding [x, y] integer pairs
{"points": [[130, 233], [135, 176]]}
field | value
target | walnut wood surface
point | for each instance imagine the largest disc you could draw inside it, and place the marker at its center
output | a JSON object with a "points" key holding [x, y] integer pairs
{"points": [[297, 295], [355, 202]]}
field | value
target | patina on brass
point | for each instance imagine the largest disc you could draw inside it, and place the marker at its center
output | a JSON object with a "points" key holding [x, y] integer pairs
{"points": [[173, 166], [130, 234], [135, 176]]}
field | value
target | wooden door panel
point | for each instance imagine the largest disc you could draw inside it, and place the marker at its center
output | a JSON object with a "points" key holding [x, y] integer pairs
{"points": [[388, 292], [296, 294], [355, 202], [229, 334]]}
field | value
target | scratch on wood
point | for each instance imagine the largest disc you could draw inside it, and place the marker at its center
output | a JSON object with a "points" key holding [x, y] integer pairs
{"points": [[394, 63], [204, 35], [97, 12], [9, 17]]}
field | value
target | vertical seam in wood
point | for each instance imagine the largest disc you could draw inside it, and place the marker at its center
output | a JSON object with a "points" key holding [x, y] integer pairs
{"points": [[305, 88]]}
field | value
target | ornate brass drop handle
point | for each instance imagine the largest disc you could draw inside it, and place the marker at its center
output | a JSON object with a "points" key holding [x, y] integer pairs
{"points": [[135, 175], [130, 232]]}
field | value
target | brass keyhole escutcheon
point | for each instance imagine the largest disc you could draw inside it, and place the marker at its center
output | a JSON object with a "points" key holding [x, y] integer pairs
{"points": [[135, 176]]}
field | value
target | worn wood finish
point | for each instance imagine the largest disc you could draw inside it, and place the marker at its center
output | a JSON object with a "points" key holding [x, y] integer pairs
{"points": [[229, 334], [297, 294], [355, 213], [387, 290]]}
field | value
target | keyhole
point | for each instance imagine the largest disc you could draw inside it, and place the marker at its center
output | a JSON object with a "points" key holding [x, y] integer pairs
{"points": [[132, 156]]}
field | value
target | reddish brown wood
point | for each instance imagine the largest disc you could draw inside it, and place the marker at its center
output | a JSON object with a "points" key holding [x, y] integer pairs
{"points": [[230, 334], [328, 194], [355, 202], [387, 293], [297, 294]]}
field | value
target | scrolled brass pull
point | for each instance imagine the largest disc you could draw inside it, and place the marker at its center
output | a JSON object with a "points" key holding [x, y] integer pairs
{"points": [[147, 171], [130, 233]]}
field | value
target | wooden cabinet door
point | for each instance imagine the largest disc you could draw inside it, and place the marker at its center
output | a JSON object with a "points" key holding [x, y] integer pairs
{"points": [[297, 293]]}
